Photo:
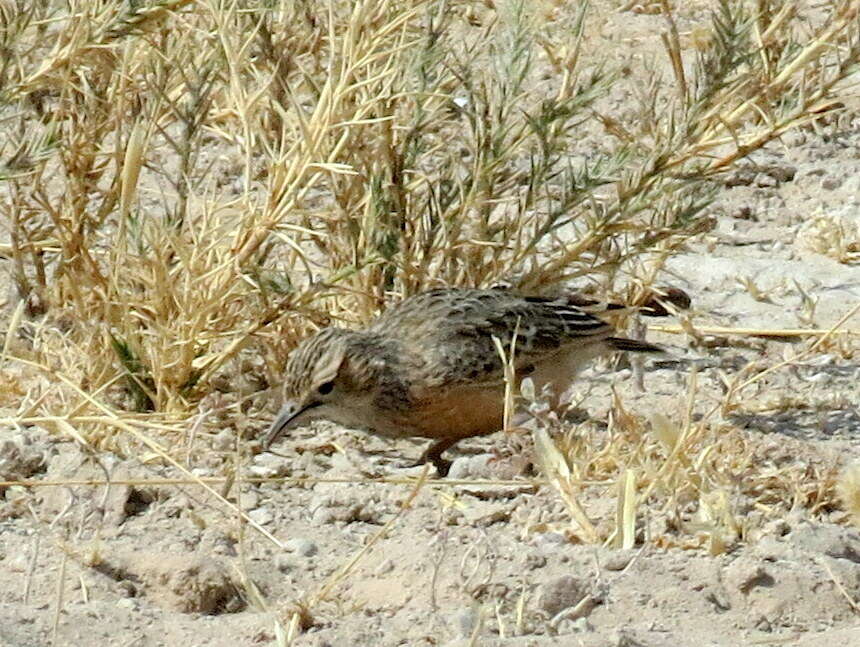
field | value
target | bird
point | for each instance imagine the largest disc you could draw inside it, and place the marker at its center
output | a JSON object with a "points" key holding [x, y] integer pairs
{"points": [[431, 366]]}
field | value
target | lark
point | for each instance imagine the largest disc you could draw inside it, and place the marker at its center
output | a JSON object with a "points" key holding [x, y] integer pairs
{"points": [[430, 366]]}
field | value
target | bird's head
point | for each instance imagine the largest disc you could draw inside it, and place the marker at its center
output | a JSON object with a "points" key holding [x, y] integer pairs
{"points": [[315, 383]]}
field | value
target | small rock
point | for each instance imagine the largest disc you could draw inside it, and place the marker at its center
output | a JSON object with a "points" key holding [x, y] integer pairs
{"points": [[819, 378], [764, 180], [794, 138], [175, 506], [832, 182], [301, 546], [717, 597], [533, 560], [577, 626], [465, 467], [322, 516], [342, 502], [825, 359], [561, 593], [742, 177], [19, 459], [618, 560], [385, 567], [623, 637], [223, 441], [782, 172], [249, 500], [744, 212], [486, 513], [549, 541], [745, 574], [285, 564], [465, 621], [776, 528], [268, 466], [261, 516], [215, 542], [342, 467], [127, 589]]}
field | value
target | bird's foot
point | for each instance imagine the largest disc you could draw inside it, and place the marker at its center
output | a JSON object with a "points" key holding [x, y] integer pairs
{"points": [[442, 466]]}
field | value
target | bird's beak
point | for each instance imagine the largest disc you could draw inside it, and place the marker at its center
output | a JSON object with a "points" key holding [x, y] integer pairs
{"points": [[288, 413]]}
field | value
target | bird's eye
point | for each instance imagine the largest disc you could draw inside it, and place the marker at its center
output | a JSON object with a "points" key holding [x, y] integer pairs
{"points": [[325, 388]]}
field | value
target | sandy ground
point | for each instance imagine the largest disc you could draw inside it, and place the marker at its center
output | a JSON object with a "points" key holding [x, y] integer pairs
{"points": [[486, 564]]}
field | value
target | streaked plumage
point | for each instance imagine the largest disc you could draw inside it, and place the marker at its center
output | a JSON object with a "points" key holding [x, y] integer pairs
{"points": [[429, 366]]}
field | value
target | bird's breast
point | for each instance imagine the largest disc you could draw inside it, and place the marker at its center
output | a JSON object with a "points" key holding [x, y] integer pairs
{"points": [[456, 412]]}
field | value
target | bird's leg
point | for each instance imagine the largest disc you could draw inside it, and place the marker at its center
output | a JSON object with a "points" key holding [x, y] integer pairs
{"points": [[433, 454]]}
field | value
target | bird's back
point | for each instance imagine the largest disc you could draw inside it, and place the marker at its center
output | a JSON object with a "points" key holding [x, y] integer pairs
{"points": [[451, 332]]}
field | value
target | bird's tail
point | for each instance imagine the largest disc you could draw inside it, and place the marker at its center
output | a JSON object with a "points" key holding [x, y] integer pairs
{"points": [[622, 343], [660, 302]]}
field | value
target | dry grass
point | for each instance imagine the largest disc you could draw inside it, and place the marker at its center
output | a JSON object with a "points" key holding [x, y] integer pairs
{"points": [[185, 182], [833, 236], [188, 188]]}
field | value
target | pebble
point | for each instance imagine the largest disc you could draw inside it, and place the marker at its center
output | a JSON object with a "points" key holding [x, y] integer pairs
{"points": [[549, 540], [561, 593], [464, 467], [261, 516], [249, 500], [745, 574], [285, 564], [385, 567], [301, 546], [832, 182], [763, 180], [322, 516], [618, 560], [268, 465], [465, 621], [223, 441]]}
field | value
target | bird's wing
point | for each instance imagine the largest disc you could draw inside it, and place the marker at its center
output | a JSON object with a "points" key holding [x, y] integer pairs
{"points": [[459, 341]]}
